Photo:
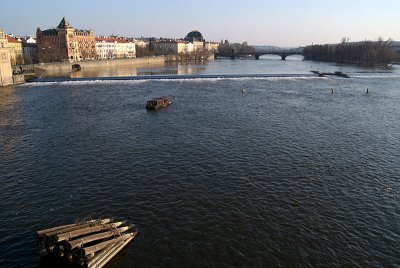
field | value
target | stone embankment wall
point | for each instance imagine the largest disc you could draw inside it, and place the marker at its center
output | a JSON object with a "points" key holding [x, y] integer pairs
{"points": [[18, 79], [138, 62], [62, 67]]}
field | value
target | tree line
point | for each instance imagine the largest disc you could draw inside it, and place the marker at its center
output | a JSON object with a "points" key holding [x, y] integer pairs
{"points": [[242, 48], [378, 52]]}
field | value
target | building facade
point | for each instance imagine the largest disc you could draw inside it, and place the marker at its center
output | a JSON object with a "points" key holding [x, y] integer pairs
{"points": [[141, 43], [16, 52], [5, 63], [114, 47], [212, 46], [65, 43], [3, 39], [30, 50], [166, 47], [193, 43]]}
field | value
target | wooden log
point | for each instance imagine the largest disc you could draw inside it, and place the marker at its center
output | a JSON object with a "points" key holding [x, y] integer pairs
{"points": [[89, 250], [103, 240], [77, 227], [87, 230], [102, 254], [86, 239], [58, 228], [42, 232], [103, 261]]}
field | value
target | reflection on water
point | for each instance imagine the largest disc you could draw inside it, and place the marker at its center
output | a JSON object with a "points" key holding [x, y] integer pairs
{"points": [[286, 174], [10, 124], [172, 68], [268, 64], [8, 101]]}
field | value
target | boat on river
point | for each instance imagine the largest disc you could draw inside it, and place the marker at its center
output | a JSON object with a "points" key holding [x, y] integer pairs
{"points": [[159, 102]]}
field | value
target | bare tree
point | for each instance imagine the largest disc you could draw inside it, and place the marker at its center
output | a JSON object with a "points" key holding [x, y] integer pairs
{"points": [[379, 52]]}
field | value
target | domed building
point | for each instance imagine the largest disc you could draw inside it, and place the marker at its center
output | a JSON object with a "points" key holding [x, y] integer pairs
{"points": [[194, 36]]}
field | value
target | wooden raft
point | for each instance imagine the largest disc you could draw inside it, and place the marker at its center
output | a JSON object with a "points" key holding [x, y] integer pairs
{"points": [[89, 244]]}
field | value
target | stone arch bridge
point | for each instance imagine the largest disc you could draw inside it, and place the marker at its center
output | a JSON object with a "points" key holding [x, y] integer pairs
{"points": [[283, 53]]}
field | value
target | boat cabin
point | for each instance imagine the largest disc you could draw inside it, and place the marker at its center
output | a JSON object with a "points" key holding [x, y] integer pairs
{"points": [[159, 102]]}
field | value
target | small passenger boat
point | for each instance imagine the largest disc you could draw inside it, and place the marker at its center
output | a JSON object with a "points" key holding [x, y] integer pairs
{"points": [[159, 102]]}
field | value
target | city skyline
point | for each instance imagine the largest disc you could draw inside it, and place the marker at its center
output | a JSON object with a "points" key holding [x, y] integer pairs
{"points": [[282, 23]]}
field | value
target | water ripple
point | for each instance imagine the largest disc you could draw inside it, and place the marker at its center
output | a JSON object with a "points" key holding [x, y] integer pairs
{"points": [[287, 174]]}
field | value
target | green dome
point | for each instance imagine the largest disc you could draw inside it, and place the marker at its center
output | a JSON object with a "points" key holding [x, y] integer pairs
{"points": [[194, 36]]}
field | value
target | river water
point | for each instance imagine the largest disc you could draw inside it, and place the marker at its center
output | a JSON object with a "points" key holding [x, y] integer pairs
{"points": [[284, 174]]}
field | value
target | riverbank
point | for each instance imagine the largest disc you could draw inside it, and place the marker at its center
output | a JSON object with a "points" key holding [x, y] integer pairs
{"points": [[60, 68], [354, 63]]}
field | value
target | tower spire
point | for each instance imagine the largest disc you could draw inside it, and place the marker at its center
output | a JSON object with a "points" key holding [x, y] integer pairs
{"points": [[64, 24]]}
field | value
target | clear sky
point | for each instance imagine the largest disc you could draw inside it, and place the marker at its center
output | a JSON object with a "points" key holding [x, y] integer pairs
{"points": [[259, 22]]}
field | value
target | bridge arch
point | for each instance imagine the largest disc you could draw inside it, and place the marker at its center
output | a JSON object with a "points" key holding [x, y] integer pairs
{"points": [[296, 55], [258, 55], [280, 54]]}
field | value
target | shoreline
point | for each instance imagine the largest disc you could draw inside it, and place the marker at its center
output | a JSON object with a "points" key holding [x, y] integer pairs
{"points": [[152, 61], [357, 64], [57, 67]]}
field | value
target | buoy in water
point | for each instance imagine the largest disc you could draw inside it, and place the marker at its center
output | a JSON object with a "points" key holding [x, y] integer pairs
{"points": [[333, 90], [242, 91], [367, 90]]}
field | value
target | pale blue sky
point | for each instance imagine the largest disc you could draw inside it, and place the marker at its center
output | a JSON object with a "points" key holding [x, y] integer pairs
{"points": [[268, 22]]}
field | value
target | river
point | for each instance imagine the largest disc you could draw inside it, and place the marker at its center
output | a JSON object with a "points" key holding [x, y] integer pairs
{"points": [[239, 171]]}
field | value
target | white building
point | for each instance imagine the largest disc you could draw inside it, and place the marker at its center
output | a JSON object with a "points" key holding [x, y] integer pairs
{"points": [[114, 48], [141, 43], [126, 49]]}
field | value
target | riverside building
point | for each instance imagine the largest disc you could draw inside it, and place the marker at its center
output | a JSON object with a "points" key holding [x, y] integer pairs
{"points": [[114, 47], [30, 49], [3, 39], [16, 52], [170, 47], [5, 63], [65, 43], [193, 42]]}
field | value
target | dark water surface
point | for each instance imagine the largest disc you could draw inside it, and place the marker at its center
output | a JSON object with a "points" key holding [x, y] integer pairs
{"points": [[286, 174]]}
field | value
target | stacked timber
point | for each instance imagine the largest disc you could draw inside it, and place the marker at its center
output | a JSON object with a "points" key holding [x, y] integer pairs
{"points": [[85, 244]]}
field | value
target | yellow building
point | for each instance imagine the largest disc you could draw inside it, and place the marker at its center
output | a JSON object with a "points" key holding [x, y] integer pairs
{"points": [[212, 46], [5, 65], [3, 39], [198, 46], [16, 51]]}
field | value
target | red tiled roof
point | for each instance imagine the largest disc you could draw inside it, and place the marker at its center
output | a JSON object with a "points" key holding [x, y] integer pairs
{"points": [[12, 39], [111, 39]]}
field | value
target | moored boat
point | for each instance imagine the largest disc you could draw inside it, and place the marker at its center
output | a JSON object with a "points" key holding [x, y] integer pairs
{"points": [[159, 102]]}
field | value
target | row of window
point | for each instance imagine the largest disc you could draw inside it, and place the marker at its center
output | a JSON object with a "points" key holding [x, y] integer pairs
{"points": [[53, 40], [83, 34], [81, 45]]}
